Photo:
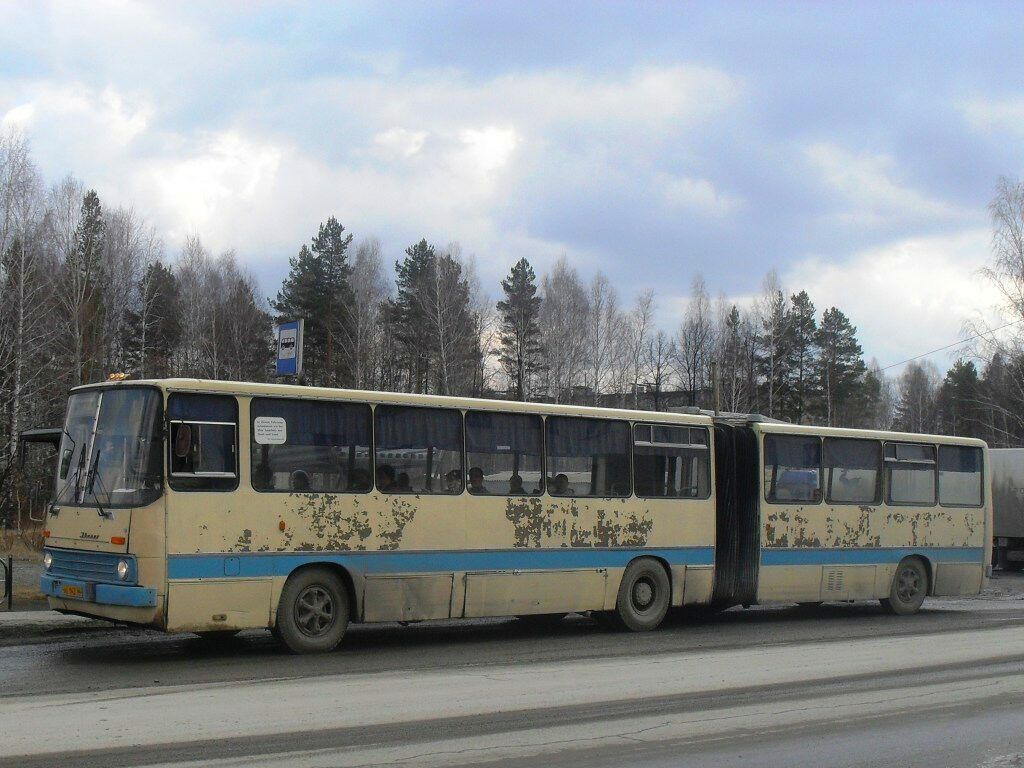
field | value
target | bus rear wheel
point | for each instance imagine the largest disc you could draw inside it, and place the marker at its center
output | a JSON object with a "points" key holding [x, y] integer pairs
{"points": [[909, 587], [312, 614], [643, 596]]}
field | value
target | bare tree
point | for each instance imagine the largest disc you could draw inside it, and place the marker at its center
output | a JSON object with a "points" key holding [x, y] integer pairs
{"points": [[660, 354], [916, 405], [1000, 345], [370, 290], [563, 323], [695, 341], [604, 333], [638, 326]]}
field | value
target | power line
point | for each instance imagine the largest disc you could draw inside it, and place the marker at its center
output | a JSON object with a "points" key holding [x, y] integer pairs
{"points": [[954, 344]]}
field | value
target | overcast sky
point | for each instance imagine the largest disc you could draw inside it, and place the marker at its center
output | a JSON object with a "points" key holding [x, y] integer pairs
{"points": [[853, 147]]}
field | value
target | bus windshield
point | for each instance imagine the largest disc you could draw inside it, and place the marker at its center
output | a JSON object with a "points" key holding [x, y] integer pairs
{"points": [[110, 453]]}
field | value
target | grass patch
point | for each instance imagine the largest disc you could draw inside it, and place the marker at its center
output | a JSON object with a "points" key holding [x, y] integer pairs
{"points": [[26, 544]]}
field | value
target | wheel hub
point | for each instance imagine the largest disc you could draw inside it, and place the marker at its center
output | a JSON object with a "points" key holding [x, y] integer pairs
{"points": [[314, 611], [643, 594]]}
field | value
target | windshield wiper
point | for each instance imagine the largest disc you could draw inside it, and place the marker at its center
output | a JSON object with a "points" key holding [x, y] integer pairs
{"points": [[91, 482]]}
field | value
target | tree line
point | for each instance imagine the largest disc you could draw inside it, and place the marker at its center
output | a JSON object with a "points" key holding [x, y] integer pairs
{"points": [[89, 289]]}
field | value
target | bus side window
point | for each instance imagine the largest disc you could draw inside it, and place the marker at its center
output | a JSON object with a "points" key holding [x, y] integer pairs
{"points": [[504, 453], [203, 442], [792, 469], [310, 446], [671, 461], [960, 476], [588, 457], [418, 450], [853, 469], [910, 473]]}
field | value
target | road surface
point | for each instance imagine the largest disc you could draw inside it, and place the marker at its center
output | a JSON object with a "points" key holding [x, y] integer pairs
{"points": [[845, 685]]}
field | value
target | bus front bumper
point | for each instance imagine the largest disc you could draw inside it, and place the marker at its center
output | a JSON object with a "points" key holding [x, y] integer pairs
{"points": [[101, 594]]}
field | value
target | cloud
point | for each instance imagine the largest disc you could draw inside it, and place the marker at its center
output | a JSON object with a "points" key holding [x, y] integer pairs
{"points": [[696, 194], [868, 185], [995, 115], [400, 142], [907, 297]]}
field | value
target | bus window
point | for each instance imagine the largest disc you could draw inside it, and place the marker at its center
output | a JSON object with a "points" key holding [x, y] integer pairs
{"points": [[203, 444], [504, 453], [418, 450], [587, 457], [910, 473], [960, 476], [792, 469], [853, 469], [671, 461], [310, 446]]}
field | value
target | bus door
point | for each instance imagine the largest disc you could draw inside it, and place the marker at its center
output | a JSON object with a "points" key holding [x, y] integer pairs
{"points": [[738, 526]]}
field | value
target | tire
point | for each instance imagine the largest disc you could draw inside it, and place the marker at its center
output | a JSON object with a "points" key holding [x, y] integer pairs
{"points": [[909, 587], [644, 596], [312, 614]]}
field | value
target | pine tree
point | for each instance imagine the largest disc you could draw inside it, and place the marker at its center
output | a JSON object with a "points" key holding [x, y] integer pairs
{"points": [[519, 337], [153, 325], [803, 329], [774, 355], [317, 290], [959, 400], [331, 249], [80, 288], [839, 367], [408, 315]]}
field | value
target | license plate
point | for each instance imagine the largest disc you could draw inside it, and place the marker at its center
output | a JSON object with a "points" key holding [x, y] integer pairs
{"points": [[70, 590]]}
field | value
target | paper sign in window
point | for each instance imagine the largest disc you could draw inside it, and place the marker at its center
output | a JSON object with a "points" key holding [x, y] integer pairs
{"points": [[269, 430]]}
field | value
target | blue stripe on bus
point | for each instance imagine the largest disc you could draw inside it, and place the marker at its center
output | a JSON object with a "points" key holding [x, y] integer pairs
{"points": [[869, 556], [262, 564], [256, 564]]}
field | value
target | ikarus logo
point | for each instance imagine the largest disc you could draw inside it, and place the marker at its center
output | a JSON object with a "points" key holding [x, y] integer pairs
{"points": [[86, 535]]}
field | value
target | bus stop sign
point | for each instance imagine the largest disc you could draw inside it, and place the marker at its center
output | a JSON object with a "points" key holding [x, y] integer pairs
{"points": [[289, 348]]}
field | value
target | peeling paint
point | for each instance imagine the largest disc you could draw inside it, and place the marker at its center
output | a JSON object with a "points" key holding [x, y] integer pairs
{"points": [[868, 526], [577, 523]]}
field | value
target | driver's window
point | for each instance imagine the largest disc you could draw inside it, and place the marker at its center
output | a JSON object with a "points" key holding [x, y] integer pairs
{"points": [[203, 431]]}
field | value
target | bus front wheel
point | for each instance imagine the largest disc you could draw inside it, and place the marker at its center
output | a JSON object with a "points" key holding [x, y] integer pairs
{"points": [[313, 612], [909, 587], [643, 595]]}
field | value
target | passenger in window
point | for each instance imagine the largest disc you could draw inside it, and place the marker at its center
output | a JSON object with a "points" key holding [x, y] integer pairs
{"points": [[263, 476], [515, 485], [453, 481], [386, 478], [299, 481], [476, 481], [403, 484], [560, 485], [359, 480]]}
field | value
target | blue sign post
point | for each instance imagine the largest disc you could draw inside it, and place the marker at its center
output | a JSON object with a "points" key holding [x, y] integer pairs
{"points": [[289, 348]]}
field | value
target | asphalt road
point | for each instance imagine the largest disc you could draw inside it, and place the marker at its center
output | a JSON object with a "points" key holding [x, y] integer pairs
{"points": [[844, 685]]}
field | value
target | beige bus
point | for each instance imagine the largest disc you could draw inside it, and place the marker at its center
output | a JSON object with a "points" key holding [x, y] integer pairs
{"points": [[213, 507]]}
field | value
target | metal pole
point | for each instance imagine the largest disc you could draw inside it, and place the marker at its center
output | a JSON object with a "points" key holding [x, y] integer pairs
{"points": [[9, 582], [715, 388]]}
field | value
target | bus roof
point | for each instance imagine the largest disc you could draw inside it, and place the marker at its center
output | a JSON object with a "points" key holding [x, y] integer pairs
{"points": [[775, 427], [398, 398]]}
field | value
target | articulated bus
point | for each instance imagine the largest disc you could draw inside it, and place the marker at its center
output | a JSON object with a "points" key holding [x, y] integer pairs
{"points": [[213, 507]]}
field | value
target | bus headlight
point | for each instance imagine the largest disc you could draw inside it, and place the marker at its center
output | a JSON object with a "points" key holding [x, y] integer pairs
{"points": [[47, 560], [122, 570]]}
